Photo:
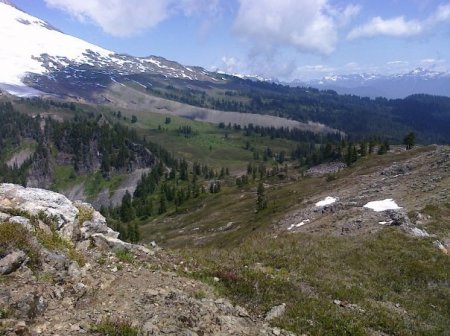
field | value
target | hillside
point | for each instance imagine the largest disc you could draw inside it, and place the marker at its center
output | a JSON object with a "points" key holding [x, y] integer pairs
{"points": [[307, 263], [45, 61], [75, 277]]}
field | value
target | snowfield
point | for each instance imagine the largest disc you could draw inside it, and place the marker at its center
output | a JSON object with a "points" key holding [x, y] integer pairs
{"points": [[378, 206], [24, 38]]}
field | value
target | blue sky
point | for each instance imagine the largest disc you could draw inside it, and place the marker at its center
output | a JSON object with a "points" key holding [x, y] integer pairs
{"points": [[284, 39]]}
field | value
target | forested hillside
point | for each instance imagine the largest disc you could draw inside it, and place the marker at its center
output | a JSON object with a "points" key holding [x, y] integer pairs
{"points": [[429, 116], [36, 148]]}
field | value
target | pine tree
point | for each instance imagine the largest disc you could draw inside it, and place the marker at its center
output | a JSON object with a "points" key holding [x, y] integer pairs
{"points": [[261, 201], [409, 140], [162, 204]]}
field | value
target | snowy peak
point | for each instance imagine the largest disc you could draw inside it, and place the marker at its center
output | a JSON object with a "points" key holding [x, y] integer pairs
{"points": [[36, 49]]}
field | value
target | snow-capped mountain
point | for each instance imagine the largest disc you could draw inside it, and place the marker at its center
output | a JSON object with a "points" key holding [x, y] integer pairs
{"points": [[390, 86], [34, 52]]}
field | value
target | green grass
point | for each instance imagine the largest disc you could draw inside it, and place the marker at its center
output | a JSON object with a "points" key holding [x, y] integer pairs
{"points": [[9, 150], [207, 144], [125, 256], [14, 237], [116, 327], [66, 177], [4, 312], [308, 272]]}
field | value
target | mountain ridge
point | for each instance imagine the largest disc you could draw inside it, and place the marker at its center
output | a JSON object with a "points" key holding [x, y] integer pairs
{"points": [[39, 49], [394, 86]]}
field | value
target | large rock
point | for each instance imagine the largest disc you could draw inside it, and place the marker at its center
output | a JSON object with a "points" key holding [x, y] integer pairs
{"points": [[66, 212], [33, 200], [12, 262]]}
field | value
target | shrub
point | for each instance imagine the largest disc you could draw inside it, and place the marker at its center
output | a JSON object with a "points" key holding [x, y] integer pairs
{"points": [[85, 214]]}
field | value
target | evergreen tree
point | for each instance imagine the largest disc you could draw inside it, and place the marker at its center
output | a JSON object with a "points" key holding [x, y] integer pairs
{"points": [[261, 201], [409, 140], [162, 204], [127, 212]]}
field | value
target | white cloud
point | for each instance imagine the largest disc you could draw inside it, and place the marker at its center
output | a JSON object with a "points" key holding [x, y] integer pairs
{"points": [[308, 25], [125, 18], [399, 26]]}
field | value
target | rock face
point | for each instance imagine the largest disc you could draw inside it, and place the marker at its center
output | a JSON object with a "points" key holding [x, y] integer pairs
{"points": [[34, 201], [71, 277]]}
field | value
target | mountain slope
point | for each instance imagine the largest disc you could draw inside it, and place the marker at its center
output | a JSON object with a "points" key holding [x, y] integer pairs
{"points": [[37, 48]]}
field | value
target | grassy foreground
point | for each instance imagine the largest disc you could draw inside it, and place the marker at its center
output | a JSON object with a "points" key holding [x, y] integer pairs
{"points": [[387, 283]]}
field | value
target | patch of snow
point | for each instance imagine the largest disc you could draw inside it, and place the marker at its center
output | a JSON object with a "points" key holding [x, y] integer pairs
{"points": [[385, 223], [306, 221], [378, 206], [327, 201], [21, 91]]}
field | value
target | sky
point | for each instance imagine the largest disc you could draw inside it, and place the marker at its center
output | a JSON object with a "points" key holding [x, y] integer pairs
{"points": [[278, 39]]}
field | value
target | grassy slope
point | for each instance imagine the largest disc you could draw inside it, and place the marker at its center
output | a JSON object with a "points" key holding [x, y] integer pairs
{"points": [[207, 145], [398, 283]]}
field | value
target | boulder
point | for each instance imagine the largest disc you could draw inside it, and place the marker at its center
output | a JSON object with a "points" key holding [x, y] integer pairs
{"points": [[115, 244], [34, 200], [12, 262], [276, 312], [25, 222]]}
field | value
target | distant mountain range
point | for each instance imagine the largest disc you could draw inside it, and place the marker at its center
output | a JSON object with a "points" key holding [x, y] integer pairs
{"points": [[390, 86]]}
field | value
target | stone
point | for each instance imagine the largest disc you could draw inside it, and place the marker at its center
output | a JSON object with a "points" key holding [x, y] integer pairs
{"points": [[275, 312], [34, 200], [74, 271], [29, 305], [114, 244], [4, 217], [12, 262], [25, 222]]}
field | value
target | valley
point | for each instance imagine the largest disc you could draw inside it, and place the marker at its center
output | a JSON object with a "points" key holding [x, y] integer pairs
{"points": [[140, 196]]}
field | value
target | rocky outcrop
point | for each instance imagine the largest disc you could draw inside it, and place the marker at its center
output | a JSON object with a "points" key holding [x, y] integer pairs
{"points": [[74, 275]]}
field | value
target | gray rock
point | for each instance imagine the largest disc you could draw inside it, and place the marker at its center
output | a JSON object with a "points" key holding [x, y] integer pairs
{"points": [[399, 218], [275, 312], [12, 262], [25, 222], [33, 200], [4, 217], [29, 305], [115, 244]]}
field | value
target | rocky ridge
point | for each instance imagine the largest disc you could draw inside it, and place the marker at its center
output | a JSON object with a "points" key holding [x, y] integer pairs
{"points": [[64, 272], [414, 183]]}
